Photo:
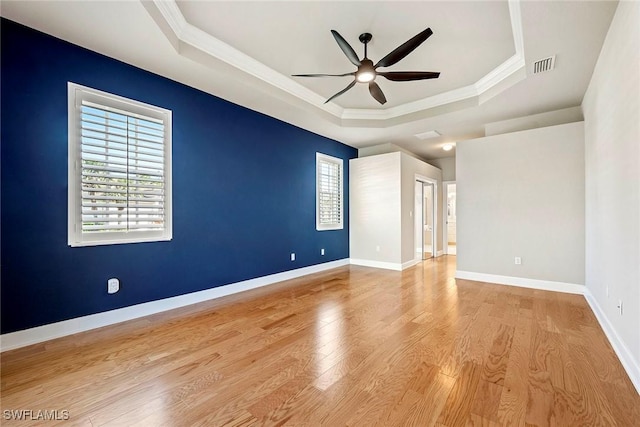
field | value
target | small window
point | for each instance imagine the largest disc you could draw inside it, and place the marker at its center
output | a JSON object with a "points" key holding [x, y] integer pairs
{"points": [[329, 211], [119, 169]]}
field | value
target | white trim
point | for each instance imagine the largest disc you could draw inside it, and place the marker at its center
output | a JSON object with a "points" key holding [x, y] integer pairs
{"points": [[172, 15], [193, 36], [440, 253], [523, 282], [434, 101], [624, 354], [385, 265], [377, 264], [434, 213], [504, 70], [410, 263], [51, 331], [76, 94], [320, 157]]}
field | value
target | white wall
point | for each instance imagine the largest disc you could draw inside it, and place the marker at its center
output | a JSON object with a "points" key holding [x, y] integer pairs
{"points": [[381, 205], [612, 144], [522, 194], [448, 167], [374, 209], [410, 168]]}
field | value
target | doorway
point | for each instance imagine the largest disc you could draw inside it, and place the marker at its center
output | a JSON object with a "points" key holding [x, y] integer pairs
{"points": [[450, 215], [424, 223]]}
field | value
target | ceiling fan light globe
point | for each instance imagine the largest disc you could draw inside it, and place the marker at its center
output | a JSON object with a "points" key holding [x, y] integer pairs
{"points": [[365, 76]]}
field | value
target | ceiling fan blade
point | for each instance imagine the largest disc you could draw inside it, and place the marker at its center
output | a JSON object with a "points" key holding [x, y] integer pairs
{"points": [[352, 84], [376, 92], [346, 48], [404, 49], [323, 75], [405, 76]]}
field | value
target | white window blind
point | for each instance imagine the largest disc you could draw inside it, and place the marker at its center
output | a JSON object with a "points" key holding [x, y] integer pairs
{"points": [[329, 199], [121, 169]]}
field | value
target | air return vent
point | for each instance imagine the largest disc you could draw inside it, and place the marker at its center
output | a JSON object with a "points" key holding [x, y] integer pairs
{"points": [[542, 65]]}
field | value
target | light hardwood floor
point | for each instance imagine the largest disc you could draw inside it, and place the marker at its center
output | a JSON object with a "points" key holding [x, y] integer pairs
{"points": [[351, 346]]}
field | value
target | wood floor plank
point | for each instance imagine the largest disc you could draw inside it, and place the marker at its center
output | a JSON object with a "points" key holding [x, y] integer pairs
{"points": [[514, 398], [541, 399], [352, 346], [431, 403], [460, 402], [495, 366], [487, 400]]}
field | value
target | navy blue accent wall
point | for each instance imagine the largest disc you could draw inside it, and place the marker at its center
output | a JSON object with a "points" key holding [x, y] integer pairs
{"points": [[243, 190]]}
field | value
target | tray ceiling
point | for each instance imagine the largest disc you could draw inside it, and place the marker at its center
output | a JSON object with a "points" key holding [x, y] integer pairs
{"points": [[245, 52]]}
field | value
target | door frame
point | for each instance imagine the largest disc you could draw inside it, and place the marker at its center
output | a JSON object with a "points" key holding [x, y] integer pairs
{"points": [[434, 210]]}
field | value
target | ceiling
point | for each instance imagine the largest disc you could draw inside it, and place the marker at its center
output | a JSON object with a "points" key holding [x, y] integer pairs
{"points": [[246, 52]]}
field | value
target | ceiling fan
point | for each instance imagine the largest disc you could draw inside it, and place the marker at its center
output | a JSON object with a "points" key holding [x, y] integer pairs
{"points": [[367, 72]]}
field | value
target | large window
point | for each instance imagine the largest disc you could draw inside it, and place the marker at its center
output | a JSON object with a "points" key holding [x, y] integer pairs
{"points": [[329, 206], [119, 169]]}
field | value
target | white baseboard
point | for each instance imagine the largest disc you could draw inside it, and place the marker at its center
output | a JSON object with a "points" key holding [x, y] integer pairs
{"points": [[569, 288], [80, 324], [385, 265], [377, 264], [409, 264], [624, 354]]}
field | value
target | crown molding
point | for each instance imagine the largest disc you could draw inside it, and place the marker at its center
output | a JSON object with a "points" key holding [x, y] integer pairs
{"points": [[192, 35], [513, 64], [189, 34], [172, 15]]}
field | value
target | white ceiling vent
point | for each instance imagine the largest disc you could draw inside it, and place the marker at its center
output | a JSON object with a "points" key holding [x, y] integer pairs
{"points": [[542, 65]]}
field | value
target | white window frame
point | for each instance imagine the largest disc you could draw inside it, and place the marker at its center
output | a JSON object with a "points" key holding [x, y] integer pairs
{"points": [[76, 237], [324, 158]]}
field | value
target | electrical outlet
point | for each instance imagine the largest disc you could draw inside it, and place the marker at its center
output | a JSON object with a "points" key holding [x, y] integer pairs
{"points": [[293, 256], [322, 252], [377, 248], [620, 307], [518, 260], [607, 288], [113, 286]]}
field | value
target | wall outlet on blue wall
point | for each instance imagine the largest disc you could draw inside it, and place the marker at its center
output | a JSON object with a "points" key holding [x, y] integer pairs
{"points": [[293, 256], [113, 286]]}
